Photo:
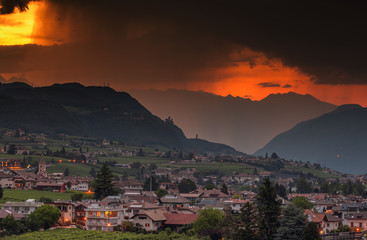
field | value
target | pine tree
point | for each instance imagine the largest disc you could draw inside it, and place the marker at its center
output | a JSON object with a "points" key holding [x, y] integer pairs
{"points": [[92, 172], [311, 232], [103, 183], [224, 188], [66, 172], [269, 210], [247, 223], [1, 192], [292, 223]]}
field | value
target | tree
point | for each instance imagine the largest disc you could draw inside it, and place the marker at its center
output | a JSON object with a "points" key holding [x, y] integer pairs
{"points": [[92, 172], [12, 149], [303, 186], [77, 197], [128, 226], [255, 171], [246, 226], [281, 191], [302, 203], [186, 185], [209, 186], [224, 188], [1, 192], [66, 172], [160, 192], [274, 156], [10, 226], [324, 188], [292, 223], [153, 180], [268, 208], [46, 215], [311, 232], [103, 185], [153, 166], [208, 223]]}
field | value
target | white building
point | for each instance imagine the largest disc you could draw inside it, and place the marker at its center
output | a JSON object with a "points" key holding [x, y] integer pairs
{"points": [[103, 217], [26, 207]]}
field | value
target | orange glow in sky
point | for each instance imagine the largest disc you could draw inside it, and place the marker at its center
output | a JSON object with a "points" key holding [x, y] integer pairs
{"points": [[255, 78], [17, 28]]}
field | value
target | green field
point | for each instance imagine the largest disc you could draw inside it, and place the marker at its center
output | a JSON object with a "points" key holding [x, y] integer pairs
{"points": [[22, 195], [227, 168], [315, 172], [76, 234]]}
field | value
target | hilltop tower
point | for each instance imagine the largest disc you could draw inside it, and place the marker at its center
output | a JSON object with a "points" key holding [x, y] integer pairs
{"points": [[42, 167]]}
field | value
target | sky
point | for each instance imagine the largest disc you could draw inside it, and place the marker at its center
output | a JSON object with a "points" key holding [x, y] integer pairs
{"points": [[223, 47]]}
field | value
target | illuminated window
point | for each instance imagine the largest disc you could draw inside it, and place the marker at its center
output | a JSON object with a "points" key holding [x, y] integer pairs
{"points": [[90, 213], [147, 225], [98, 214]]}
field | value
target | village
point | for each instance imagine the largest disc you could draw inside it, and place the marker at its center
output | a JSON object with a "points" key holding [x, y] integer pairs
{"points": [[154, 198]]}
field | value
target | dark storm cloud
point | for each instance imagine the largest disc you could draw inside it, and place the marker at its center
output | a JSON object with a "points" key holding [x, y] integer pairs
{"points": [[268, 84], [287, 86], [174, 40]]}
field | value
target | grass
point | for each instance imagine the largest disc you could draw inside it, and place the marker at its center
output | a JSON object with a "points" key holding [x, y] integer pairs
{"points": [[315, 172], [22, 195], [75, 169], [227, 168]]}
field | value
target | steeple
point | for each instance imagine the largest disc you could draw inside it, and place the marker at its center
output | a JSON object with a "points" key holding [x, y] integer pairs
{"points": [[42, 167]]}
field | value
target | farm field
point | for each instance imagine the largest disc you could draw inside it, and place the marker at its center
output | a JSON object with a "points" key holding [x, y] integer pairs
{"points": [[76, 234], [22, 195]]}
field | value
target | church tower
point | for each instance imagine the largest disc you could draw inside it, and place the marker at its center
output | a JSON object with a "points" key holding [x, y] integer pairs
{"points": [[42, 167]]}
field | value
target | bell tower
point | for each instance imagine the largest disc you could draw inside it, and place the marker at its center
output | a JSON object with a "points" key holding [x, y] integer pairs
{"points": [[42, 167]]}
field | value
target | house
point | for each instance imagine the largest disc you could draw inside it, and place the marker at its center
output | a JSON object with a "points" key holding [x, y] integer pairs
{"points": [[10, 163], [25, 208], [326, 222], [135, 208], [4, 213], [53, 186], [358, 220], [130, 185], [150, 220], [103, 217], [80, 214], [162, 171], [176, 221], [66, 210], [21, 150], [7, 180], [175, 200], [235, 204]]}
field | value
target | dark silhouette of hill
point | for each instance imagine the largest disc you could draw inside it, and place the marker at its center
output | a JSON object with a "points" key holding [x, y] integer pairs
{"points": [[91, 111], [337, 139], [239, 122]]}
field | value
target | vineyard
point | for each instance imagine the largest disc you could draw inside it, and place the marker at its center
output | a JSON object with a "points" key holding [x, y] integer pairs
{"points": [[74, 234]]}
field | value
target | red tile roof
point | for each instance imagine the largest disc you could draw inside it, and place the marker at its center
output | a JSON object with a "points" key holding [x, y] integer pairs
{"points": [[180, 218]]}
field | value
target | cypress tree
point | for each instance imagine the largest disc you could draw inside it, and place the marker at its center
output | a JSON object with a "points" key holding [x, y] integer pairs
{"points": [[103, 184], [269, 210]]}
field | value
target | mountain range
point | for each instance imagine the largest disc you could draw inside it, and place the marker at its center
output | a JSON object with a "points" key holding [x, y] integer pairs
{"points": [[239, 122], [336, 139], [99, 112]]}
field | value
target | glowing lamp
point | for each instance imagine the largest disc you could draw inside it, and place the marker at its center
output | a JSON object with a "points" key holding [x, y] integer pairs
{"points": [[109, 224], [85, 219], [357, 229]]}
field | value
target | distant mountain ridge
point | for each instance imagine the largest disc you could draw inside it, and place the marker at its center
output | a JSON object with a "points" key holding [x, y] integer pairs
{"points": [[337, 139], [92, 111], [239, 122]]}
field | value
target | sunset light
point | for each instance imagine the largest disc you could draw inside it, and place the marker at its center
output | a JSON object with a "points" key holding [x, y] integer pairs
{"points": [[17, 28]]}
